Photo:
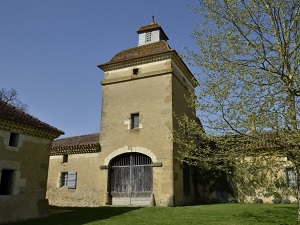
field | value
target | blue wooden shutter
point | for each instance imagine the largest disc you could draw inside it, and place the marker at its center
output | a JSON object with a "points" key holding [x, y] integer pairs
{"points": [[72, 178]]}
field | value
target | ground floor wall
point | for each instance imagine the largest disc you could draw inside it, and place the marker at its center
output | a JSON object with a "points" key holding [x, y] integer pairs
{"points": [[174, 182], [275, 183], [28, 207], [92, 175], [184, 186], [74, 182], [163, 176], [23, 177]]}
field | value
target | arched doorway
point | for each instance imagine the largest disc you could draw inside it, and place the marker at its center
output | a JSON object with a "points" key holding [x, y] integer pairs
{"points": [[131, 179]]}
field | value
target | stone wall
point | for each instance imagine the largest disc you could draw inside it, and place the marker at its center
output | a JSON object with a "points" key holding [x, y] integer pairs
{"points": [[181, 86], [86, 191], [28, 162], [148, 93]]}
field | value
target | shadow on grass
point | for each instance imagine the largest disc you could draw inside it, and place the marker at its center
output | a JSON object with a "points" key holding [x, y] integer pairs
{"points": [[77, 215]]}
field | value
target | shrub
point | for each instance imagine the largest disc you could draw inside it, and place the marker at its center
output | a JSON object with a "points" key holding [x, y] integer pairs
{"points": [[276, 200], [276, 195], [258, 201], [286, 201], [232, 200], [214, 201]]}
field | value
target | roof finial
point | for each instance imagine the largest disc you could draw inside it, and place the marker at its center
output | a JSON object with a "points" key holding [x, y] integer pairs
{"points": [[152, 20]]}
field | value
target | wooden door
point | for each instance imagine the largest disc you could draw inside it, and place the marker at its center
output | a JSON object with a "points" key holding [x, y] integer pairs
{"points": [[131, 179]]}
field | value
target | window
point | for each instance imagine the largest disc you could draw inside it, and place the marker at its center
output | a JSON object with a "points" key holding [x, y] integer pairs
{"points": [[68, 179], [65, 158], [148, 37], [291, 177], [13, 139], [186, 179], [135, 121], [63, 179], [135, 71], [6, 183], [186, 130]]}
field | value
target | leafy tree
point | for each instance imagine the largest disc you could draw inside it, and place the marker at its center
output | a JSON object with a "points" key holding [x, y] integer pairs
{"points": [[11, 97], [248, 99]]}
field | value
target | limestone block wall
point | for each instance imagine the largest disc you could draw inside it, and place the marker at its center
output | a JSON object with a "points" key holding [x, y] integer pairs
{"points": [[88, 179], [28, 162], [279, 182], [181, 85], [148, 93]]}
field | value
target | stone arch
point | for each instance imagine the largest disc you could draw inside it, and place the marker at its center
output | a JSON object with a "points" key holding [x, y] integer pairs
{"points": [[127, 149]]}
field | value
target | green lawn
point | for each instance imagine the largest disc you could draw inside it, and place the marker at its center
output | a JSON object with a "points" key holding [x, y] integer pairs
{"points": [[232, 214]]}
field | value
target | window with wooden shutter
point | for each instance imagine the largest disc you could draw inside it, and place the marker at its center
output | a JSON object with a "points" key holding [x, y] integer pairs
{"points": [[72, 178], [63, 179]]}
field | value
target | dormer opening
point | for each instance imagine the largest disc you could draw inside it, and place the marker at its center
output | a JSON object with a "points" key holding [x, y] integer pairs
{"points": [[148, 37], [135, 71]]}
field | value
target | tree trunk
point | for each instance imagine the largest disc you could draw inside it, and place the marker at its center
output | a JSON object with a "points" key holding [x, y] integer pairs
{"points": [[292, 115], [298, 189]]}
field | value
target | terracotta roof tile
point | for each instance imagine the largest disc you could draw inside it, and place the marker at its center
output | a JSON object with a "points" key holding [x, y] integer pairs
{"points": [[148, 28], [140, 51], [77, 140], [9, 112], [88, 143]]}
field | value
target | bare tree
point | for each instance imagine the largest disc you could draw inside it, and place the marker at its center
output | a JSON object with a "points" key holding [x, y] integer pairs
{"points": [[11, 97]]}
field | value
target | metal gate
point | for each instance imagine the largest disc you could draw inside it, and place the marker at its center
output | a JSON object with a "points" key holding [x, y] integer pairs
{"points": [[131, 179]]}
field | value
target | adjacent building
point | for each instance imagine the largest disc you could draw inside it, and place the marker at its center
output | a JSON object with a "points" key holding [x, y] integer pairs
{"points": [[74, 171], [25, 144]]}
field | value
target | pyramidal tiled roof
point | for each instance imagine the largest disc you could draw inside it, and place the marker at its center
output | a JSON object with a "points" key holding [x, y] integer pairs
{"points": [[9, 112], [152, 26], [140, 51], [88, 143]]}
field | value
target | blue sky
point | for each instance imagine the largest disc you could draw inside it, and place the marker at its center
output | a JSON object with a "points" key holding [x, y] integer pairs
{"points": [[50, 49]]}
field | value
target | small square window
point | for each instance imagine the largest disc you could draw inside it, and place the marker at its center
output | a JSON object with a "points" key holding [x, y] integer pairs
{"points": [[135, 121], [13, 139], [135, 71], [65, 158], [6, 182]]}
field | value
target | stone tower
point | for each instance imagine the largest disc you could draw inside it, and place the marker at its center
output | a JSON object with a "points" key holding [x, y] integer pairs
{"points": [[142, 89]]}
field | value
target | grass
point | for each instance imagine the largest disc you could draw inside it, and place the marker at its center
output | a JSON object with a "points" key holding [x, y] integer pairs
{"points": [[223, 214]]}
